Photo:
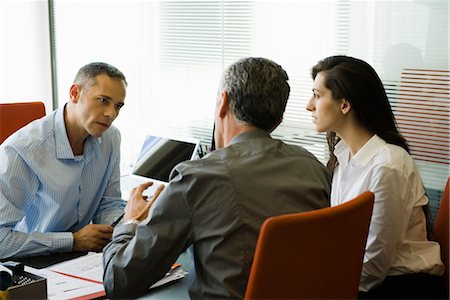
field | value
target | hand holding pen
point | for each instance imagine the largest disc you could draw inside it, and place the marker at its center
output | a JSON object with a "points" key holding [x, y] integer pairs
{"points": [[117, 220]]}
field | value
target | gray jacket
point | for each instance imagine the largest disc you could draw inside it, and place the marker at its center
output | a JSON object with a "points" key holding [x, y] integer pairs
{"points": [[217, 204]]}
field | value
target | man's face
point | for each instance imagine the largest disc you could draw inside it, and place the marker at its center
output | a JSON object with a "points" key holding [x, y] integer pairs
{"points": [[99, 103]]}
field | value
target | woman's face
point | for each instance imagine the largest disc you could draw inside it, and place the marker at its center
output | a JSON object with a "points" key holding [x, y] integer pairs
{"points": [[326, 111]]}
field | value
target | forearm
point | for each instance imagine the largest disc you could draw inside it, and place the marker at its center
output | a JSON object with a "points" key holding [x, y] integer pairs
{"points": [[149, 248], [151, 251], [19, 244], [122, 264]]}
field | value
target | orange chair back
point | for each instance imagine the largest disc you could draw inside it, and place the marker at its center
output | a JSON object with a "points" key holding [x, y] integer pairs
{"points": [[312, 255], [16, 115], [441, 231]]}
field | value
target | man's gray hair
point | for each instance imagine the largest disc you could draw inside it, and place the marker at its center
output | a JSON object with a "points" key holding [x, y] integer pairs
{"points": [[87, 74], [257, 90]]}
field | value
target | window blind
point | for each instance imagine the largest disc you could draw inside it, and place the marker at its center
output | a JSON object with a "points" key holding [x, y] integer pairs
{"points": [[173, 53], [421, 104]]}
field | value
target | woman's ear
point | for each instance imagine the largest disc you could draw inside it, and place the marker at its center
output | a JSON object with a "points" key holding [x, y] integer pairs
{"points": [[346, 106]]}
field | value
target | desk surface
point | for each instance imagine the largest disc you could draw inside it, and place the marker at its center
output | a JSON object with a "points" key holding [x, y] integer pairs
{"points": [[176, 290]]}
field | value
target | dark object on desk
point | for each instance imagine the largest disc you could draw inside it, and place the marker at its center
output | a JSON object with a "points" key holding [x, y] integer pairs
{"points": [[15, 267], [6, 280], [43, 261], [28, 286], [22, 285]]}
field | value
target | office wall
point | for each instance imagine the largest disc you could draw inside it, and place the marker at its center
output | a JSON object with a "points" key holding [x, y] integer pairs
{"points": [[25, 52]]}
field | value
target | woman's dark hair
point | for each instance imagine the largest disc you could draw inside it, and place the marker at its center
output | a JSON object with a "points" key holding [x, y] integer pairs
{"points": [[356, 81]]}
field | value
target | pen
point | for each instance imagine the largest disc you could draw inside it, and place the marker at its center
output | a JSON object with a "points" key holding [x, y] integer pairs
{"points": [[117, 220]]}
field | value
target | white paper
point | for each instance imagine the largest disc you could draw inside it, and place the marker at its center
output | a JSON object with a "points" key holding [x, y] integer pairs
{"points": [[90, 266], [65, 287], [177, 274]]}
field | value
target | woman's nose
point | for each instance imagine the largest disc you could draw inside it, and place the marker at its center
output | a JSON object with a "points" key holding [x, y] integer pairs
{"points": [[310, 105]]}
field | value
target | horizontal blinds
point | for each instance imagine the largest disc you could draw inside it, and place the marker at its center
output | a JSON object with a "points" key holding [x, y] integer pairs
{"points": [[421, 105], [283, 32], [422, 109], [197, 39], [209, 35], [191, 32]]}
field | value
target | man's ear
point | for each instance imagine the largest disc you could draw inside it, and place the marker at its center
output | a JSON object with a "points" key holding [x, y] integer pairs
{"points": [[74, 93], [346, 106], [224, 105]]}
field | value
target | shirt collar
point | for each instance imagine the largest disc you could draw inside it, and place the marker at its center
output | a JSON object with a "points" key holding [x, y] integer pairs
{"points": [[363, 156], [63, 148], [252, 134]]}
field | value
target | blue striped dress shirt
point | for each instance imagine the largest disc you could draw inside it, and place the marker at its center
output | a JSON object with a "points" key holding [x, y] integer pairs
{"points": [[46, 192]]}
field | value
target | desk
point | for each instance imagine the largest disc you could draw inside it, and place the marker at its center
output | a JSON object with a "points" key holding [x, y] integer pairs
{"points": [[177, 290]]}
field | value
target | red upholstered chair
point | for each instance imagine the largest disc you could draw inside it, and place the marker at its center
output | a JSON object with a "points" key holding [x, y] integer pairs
{"points": [[312, 255], [16, 115], [441, 231]]}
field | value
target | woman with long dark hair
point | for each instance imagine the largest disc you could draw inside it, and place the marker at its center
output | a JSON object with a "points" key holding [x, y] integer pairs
{"points": [[367, 152]]}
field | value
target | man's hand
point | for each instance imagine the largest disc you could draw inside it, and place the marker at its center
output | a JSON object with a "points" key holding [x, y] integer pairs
{"points": [[92, 237], [138, 205]]}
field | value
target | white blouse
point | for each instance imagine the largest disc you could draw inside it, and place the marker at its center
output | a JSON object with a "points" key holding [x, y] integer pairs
{"points": [[397, 242]]}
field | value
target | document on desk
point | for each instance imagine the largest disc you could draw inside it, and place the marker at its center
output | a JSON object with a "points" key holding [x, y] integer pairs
{"points": [[67, 287], [90, 267]]}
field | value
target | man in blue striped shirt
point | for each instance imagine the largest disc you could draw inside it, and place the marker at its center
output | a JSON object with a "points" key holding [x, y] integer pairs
{"points": [[59, 175]]}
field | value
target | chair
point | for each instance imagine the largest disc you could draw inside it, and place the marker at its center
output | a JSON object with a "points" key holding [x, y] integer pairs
{"points": [[16, 115], [441, 232], [316, 254]]}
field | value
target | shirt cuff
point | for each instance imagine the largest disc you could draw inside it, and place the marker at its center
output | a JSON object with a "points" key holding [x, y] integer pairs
{"points": [[63, 241], [124, 229]]}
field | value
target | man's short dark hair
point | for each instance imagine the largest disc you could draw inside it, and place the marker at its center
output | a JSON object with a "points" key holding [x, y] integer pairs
{"points": [[87, 74], [257, 90]]}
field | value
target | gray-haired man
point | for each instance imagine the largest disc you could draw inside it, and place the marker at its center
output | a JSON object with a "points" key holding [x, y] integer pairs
{"points": [[217, 204]]}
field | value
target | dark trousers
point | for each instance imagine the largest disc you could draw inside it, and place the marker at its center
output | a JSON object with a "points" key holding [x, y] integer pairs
{"points": [[408, 286]]}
